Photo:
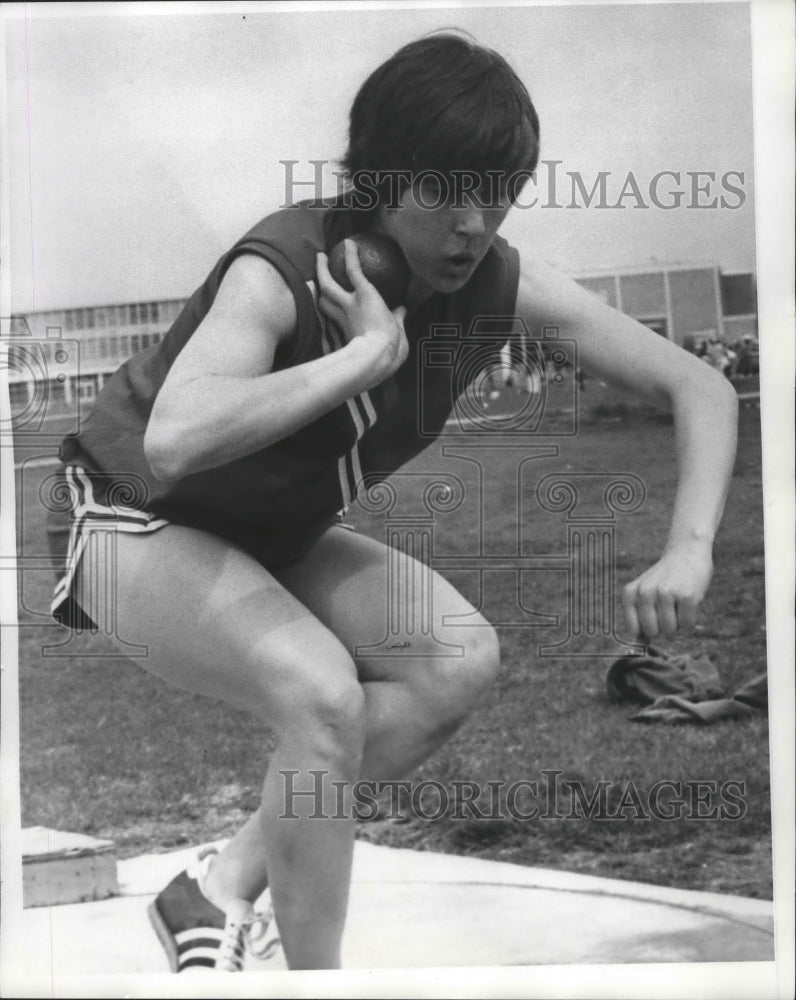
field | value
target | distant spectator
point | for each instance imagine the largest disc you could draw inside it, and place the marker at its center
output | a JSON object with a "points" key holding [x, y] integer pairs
{"points": [[748, 362], [717, 357]]}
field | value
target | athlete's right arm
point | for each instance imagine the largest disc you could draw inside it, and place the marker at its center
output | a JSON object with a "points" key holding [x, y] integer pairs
{"points": [[221, 400]]}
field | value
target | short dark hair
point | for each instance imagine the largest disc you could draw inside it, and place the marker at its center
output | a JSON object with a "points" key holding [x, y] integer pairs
{"points": [[443, 103]]}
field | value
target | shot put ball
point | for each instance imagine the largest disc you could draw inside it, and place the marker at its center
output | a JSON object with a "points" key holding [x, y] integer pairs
{"points": [[383, 264]]}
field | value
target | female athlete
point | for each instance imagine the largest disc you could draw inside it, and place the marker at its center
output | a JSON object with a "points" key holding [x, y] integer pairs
{"points": [[222, 460]]}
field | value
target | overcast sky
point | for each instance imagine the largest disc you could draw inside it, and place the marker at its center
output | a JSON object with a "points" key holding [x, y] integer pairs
{"points": [[141, 147]]}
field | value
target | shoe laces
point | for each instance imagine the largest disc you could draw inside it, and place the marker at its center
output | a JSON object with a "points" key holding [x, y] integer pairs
{"points": [[258, 943], [231, 947], [245, 930]]}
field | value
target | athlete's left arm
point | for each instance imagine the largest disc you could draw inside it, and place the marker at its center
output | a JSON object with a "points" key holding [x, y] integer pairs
{"points": [[621, 351]]}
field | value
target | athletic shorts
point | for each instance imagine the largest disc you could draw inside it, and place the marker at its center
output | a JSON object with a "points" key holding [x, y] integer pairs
{"points": [[71, 532]]}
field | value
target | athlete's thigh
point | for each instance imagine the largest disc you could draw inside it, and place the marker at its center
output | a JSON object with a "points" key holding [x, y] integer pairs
{"points": [[384, 606], [211, 618]]}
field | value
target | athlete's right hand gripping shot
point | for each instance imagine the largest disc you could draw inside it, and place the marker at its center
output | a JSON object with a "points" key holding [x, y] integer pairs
{"points": [[238, 443]]}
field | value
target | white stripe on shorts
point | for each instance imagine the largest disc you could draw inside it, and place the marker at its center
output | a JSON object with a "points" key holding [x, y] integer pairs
{"points": [[89, 515]]}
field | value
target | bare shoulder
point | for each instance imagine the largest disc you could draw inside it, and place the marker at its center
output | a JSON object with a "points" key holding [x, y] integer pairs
{"points": [[253, 312], [547, 295], [253, 291]]}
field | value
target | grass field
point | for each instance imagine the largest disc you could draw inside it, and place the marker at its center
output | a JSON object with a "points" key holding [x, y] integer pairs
{"points": [[109, 751]]}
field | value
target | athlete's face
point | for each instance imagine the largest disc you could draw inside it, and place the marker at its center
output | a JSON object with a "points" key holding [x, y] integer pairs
{"points": [[443, 238]]}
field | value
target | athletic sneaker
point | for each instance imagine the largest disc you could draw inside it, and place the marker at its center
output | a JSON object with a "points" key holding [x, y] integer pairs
{"points": [[197, 935]]}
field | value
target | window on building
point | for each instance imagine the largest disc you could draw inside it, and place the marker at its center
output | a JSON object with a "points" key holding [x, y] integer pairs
{"points": [[90, 319], [124, 345], [657, 324], [135, 343], [20, 327], [154, 312], [69, 319], [55, 391], [738, 295], [143, 312], [80, 319], [87, 388]]}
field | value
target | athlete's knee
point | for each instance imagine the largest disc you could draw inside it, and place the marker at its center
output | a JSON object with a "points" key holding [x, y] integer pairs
{"points": [[480, 664], [326, 718], [335, 715], [457, 684], [484, 652]]}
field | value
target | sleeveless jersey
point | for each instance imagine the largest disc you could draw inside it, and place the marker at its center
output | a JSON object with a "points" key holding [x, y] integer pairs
{"points": [[307, 477]]}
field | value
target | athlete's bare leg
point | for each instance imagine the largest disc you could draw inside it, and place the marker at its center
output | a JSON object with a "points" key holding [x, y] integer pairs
{"points": [[414, 700], [217, 623], [417, 696]]}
